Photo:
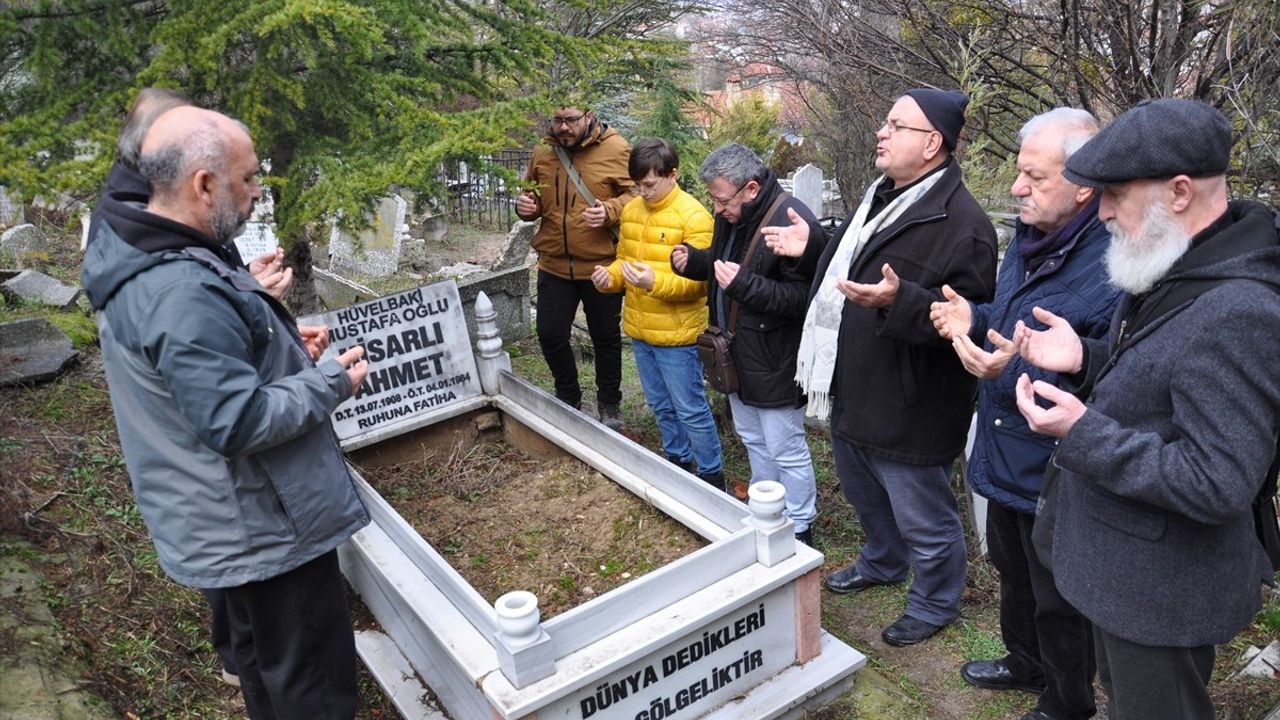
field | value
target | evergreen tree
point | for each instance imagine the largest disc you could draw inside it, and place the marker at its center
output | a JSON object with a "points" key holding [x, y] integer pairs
{"points": [[343, 98]]}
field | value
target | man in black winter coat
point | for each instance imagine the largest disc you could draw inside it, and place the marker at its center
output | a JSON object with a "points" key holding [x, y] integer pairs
{"points": [[898, 397], [1145, 518], [770, 294]]}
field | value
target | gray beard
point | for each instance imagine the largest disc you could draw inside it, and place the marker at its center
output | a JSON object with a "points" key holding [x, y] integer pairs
{"points": [[1135, 263], [225, 222]]}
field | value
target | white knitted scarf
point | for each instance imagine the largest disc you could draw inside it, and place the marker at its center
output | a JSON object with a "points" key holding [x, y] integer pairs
{"points": [[816, 360]]}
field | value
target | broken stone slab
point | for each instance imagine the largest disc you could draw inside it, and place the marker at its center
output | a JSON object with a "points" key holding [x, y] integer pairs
{"points": [[460, 270], [33, 351], [508, 290], [31, 286], [23, 240], [336, 291], [515, 251], [1263, 662]]}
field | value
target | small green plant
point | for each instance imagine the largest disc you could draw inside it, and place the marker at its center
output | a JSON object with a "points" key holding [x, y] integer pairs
{"points": [[1269, 620], [977, 643]]}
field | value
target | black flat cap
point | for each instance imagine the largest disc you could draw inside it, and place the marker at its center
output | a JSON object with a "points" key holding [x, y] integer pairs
{"points": [[945, 110], [1157, 139]]}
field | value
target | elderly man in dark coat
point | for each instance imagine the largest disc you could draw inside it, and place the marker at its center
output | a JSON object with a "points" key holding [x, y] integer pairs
{"points": [[1146, 517], [1055, 261], [898, 397]]}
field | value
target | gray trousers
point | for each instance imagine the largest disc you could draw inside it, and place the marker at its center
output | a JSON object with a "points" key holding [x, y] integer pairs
{"points": [[909, 517], [1144, 682]]}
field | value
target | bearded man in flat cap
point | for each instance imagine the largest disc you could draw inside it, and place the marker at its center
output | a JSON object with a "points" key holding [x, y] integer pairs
{"points": [[899, 399], [1145, 518]]}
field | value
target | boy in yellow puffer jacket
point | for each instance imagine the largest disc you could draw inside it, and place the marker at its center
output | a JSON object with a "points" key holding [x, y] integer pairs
{"points": [[664, 313]]}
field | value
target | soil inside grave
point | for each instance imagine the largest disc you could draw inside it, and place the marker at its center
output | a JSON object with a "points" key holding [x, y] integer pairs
{"points": [[506, 521]]}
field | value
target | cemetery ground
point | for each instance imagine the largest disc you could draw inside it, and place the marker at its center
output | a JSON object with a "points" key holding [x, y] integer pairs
{"points": [[83, 598]]}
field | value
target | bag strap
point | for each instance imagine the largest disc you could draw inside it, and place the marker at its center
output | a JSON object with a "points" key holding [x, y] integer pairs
{"points": [[576, 179], [746, 258]]}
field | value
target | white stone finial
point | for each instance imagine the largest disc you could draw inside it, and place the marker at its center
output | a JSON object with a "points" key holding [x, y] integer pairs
{"points": [[767, 499], [490, 360], [518, 618], [489, 344]]}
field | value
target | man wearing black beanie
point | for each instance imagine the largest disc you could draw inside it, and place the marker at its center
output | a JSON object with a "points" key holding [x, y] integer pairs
{"points": [[898, 398]]}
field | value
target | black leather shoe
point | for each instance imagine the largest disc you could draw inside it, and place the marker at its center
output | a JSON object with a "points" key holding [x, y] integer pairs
{"points": [[715, 480], [1037, 715], [849, 581], [805, 536], [907, 630], [995, 675]]}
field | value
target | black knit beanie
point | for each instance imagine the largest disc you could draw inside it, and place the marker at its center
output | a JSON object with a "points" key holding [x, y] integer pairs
{"points": [[945, 110]]}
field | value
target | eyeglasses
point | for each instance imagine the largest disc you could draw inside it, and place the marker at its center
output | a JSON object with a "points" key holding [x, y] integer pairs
{"points": [[566, 121], [894, 126], [725, 202]]}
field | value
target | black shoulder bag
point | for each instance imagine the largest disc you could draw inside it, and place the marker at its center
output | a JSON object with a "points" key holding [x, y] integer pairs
{"points": [[714, 343]]}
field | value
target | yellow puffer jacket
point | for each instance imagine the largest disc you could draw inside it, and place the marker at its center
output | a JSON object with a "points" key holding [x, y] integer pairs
{"points": [[674, 312]]}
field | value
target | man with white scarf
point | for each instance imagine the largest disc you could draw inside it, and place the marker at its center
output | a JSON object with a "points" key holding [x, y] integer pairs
{"points": [[898, 398]]}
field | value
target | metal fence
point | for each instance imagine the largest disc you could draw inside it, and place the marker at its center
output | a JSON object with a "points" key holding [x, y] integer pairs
{"points": [[480, 195]]}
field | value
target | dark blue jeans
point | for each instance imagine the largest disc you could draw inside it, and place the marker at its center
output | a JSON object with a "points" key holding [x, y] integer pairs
{"points": [[558, 301], [672, 381]]}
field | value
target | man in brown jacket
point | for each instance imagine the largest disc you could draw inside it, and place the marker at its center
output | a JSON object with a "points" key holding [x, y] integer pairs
{"points": [[577, 234]]}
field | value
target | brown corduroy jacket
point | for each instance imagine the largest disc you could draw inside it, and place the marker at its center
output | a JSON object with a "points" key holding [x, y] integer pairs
{"points": [[566, 246]]}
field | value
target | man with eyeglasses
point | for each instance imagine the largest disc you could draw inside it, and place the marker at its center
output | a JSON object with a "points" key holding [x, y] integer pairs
{"points": [[771, 294], [898, 398], [580, 156]]}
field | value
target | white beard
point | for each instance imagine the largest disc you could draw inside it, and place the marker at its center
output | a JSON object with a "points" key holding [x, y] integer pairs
{"points": [[1135, 263]]}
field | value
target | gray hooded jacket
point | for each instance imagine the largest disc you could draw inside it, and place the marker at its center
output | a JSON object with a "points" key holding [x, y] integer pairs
{"points": [[1153, 537], [223, 417]]}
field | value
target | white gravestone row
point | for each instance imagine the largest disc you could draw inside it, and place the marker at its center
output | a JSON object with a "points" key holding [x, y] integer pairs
{"points": [[375, 251], [419, 354]]}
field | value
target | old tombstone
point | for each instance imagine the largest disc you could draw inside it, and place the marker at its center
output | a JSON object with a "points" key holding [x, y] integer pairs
{"points": [[23, 240], [376, 250], [515, 250], [508, 291], [1262, 662], [36, 287], [10, 209], [33, 351], [258, 239], [419, 357], [807, 188]]}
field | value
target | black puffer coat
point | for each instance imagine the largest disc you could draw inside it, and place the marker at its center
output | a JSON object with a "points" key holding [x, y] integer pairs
{"points": [[772, 295]]}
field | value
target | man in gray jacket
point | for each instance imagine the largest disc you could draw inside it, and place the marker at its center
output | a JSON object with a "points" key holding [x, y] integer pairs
{"points": [[224, 416], [1145, 518]]}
